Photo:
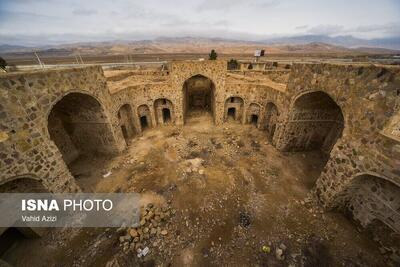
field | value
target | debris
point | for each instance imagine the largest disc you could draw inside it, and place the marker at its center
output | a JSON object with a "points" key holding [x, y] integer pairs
{"points": [[143, 252], [279, 254], [266, 249], [244, 219], [164, 232], [133, 233], [107, 174]]}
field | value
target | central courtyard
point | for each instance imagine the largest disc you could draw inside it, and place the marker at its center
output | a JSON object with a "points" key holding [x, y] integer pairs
{"points": [[230, 193]]}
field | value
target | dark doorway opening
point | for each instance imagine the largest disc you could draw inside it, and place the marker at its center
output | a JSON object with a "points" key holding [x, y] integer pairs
{"points": [[143, 122], [231, 113], [271, 119], [320, 125], [13, 237], [198, 92], [166, 115], [77, 125], [9, 238], [125, 116], [254, 119]]}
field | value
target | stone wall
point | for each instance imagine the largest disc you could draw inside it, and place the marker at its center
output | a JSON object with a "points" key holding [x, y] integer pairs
{"points": [[26, 100], [215, 70], [363, 116], [368, 97], [372, 198]]}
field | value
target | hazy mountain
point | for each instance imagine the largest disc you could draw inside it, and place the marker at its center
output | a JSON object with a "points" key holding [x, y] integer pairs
{"points": [[305, 44], [345, 40], [4, 48]]}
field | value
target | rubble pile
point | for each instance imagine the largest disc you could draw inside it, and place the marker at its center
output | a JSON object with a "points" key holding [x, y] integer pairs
{"points": [[153, 227]]}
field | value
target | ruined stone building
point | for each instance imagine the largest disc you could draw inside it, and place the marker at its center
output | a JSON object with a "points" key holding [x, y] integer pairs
{"points": [[351, 113]]}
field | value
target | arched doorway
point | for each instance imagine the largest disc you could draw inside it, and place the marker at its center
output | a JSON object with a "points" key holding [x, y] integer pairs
{"points": [[126, 122], [164, 111], [374, 203], [144, 117], [23, 185], [315, 123], [78, 126], [12, 236], [271, 119], [234, 109], [198, 97], [253, 114]]}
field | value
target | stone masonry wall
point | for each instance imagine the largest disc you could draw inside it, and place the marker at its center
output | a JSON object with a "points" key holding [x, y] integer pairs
{"points": [[367, 96], [26, 100]]}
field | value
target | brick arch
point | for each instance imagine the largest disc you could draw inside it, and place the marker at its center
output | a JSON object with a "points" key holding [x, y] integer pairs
{"points": [[319, 130], [126, 115], [144, 115], [340, 104], [271, 119], [160, 105], [254, 109], [64, 94], [16, 177], [370, 196], [71, 129], [235, 109], [209, 95]]}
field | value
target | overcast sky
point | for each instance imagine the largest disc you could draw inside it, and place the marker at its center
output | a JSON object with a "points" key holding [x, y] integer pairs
{"points": [[38, 22]]}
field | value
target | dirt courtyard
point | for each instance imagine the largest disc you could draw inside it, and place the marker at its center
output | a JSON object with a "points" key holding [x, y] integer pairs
{"points": [[234, 200]]}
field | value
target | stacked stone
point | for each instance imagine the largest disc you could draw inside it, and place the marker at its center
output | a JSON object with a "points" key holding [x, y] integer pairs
{"points": [[152, 227]]}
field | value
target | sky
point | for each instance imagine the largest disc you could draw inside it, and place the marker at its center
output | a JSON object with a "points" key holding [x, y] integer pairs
{"points": [[42, 22]]}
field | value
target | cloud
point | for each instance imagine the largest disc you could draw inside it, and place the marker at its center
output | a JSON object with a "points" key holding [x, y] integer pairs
{"points": [[301, 27], [53, 21], [11, 14], [326, 29], [387, 29], [392, 28], [84, 12], [212, 5]]}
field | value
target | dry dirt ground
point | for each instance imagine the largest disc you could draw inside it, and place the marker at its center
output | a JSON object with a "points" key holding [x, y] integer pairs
{"points": [[228, 193]]}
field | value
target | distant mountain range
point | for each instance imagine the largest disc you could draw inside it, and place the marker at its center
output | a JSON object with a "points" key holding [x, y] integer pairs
{"points": [[344, 40], [296, 44]]}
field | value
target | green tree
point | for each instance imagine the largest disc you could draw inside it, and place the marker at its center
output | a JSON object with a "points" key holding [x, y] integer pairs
{"points": [[233, 64], [213, 55], [3, 63]]}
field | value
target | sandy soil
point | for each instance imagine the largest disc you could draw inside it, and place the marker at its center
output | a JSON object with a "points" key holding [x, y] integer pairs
{"points": [[232, 193]]}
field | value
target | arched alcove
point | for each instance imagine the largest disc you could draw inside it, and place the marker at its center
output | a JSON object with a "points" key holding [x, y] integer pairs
{"points": [[198, 97], [144, 117], [11, 236], [233, 110], [164, 111], [78, 126], [270, 120], [253, 114], [368, 198], [126, 122], [315, 123]]}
